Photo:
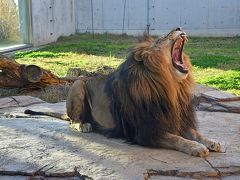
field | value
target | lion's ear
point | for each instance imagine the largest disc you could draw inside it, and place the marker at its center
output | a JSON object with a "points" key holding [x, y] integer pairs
{"points": [[138, 58], [141, 56]]}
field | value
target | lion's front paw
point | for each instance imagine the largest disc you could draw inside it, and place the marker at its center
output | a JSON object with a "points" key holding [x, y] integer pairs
{"points": [[214, 146], [85, 128], [200, 150]]}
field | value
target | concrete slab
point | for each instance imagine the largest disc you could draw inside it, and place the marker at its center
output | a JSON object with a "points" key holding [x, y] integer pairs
{"points": [[18, 101], [210, 99], [219, 94], [27, 144]]}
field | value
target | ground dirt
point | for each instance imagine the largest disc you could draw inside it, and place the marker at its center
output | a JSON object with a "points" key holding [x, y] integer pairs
{"points": [[28, 144]]}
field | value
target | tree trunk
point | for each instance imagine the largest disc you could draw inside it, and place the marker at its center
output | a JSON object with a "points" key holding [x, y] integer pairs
{"points": [[15, 75]]}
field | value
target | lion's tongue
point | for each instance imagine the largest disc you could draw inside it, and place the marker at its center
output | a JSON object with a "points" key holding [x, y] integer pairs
{"points": [[181, 66], [177, 59]]}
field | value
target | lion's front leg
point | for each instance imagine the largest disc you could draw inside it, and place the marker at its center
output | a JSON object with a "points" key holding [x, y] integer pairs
{"points": [[196, 136], [76, 107], [184, 145]]}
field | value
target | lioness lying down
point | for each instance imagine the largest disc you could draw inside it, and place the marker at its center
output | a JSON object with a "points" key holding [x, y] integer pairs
{"points": [[147, 100]]}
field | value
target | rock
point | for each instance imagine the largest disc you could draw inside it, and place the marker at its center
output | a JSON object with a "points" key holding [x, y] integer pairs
{"points": [[27, 144]]}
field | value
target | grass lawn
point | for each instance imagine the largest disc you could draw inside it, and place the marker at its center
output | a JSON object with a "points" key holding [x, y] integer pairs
{"points": [[216, 60]]}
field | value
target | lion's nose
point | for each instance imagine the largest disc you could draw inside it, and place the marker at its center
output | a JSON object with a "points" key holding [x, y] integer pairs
{"points": [[178, 29]]}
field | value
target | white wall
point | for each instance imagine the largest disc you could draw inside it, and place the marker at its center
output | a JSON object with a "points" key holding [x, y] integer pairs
{"points": [[51, 19], [198, 18]]}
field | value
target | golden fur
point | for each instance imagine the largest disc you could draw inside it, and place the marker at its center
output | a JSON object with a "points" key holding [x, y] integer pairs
{"points": [[147, 100]]}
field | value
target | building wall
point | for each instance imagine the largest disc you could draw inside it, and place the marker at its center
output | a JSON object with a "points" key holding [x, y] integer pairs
{"points": [[51, 19], [198, 18]]}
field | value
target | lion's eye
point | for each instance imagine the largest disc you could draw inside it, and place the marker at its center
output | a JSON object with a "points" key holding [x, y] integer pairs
{"points": [[170, 37], [158, 41]]}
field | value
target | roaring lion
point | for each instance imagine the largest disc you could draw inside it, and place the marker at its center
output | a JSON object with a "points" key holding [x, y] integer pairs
{"points": [[147, 100]]}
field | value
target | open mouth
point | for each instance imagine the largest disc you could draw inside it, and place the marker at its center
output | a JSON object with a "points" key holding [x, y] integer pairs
{"points": [[177, 54]]}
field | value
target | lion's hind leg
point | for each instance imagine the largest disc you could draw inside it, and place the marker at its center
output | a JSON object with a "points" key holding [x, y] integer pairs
{"points": [[209, 143], [184, 145]]}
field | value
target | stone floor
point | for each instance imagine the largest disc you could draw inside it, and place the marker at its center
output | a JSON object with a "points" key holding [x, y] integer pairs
{"points": [[28, 144]]}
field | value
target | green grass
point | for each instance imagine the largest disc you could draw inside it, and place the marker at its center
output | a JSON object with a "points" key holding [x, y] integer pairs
{"points": [[80, 50], [216, 60]]}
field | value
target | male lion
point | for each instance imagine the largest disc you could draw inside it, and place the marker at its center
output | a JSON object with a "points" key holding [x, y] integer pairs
{"points": [[147, 100]]}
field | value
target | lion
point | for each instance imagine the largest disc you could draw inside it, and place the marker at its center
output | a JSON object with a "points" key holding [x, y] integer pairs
{"points": [[147, 100]]}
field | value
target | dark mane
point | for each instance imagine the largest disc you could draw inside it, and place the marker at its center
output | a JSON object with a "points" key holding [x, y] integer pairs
{"points": [[146, 98]]}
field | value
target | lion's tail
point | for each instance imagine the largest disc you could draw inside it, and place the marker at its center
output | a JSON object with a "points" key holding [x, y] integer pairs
{"points": [[51, 114]]}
